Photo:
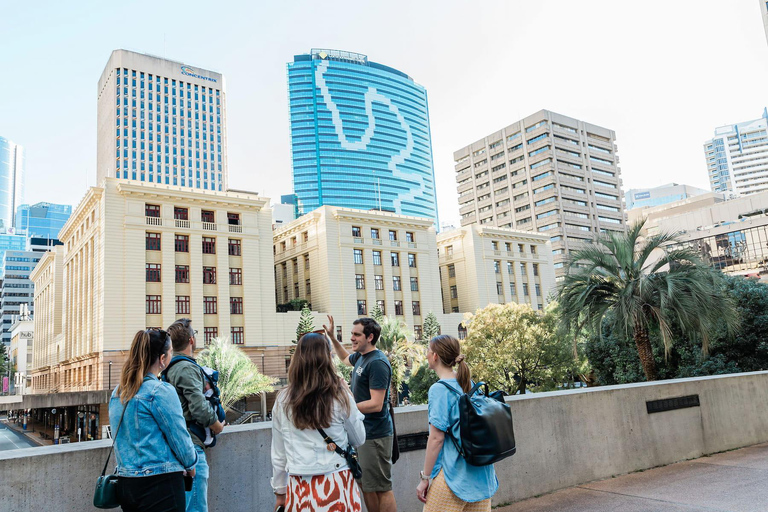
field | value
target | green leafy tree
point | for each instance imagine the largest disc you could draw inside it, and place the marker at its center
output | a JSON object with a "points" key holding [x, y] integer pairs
{"points": [[431, 327], [400, 350], [419, 383], [513, 348], [618, 275], [4, 363], [613, 354], [377, 314], [239, 377], [306, 324]]}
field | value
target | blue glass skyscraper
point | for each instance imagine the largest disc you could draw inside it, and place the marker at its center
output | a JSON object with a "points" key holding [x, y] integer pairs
{"points": [[360, 136], [42, 220]]}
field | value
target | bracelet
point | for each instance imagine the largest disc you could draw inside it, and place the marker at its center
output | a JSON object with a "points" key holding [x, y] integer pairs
{"points": [[423, 476]]}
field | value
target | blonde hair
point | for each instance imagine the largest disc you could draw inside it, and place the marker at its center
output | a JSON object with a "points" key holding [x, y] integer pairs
{"points": [[448, 349]]}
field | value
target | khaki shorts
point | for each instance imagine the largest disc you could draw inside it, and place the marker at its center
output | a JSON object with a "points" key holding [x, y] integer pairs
{"points": [[375, 456]]}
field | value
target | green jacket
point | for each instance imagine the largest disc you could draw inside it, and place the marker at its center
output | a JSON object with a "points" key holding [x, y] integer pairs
{"points": [[188, 381]]}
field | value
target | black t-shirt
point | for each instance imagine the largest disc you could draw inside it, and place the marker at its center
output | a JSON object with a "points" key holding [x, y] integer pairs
{"points": [[372, 371]]}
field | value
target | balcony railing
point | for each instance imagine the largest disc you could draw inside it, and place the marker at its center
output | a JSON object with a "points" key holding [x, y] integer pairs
{"points": [[233, 228], [210, 226], [154, 221], [182, 223]]}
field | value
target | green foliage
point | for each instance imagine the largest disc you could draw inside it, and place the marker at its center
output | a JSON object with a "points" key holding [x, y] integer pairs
{"points": [[400, 350], [238, 375], [377, 314], [645, 283], [4, 361], [512, 347], [306, 324], [613, 355], [431, 327], [419, 384], [344, 370]]}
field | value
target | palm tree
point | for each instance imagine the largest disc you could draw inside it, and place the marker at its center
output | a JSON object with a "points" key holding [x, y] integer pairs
{"points": [[618, 274], [238, 375], [401, 352]]}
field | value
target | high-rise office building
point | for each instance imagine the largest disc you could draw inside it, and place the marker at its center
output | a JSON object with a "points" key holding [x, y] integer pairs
{"points": [[42, 220], [737, 157], [16, 288], [547, 173], [360, 136], [764, 12], [161, 121], [11, 181]]}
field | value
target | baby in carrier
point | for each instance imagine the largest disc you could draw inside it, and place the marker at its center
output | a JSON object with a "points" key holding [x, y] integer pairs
{"points": [[211, 392]]}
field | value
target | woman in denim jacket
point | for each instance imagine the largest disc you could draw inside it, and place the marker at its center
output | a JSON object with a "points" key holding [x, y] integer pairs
{"points": [[152, 447], [306, 473]]}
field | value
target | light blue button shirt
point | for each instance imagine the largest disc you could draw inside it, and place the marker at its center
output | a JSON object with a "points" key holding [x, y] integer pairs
{"points": [[467, 482]]}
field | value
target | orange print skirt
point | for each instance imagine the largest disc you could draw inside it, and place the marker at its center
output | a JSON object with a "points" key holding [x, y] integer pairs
{"points": [[334, 492]]}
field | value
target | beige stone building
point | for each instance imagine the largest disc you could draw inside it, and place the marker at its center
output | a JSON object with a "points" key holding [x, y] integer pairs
{"points": [[48, 279], [481, 265], [547, 173], [139, 255], [345, 262]]}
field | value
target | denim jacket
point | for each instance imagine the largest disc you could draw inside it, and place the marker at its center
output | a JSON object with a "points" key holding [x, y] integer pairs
{"points": [[153, 437]]}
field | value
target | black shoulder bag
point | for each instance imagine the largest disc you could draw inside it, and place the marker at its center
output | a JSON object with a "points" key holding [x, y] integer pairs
{"points": [[105, 495], [350, 455]]}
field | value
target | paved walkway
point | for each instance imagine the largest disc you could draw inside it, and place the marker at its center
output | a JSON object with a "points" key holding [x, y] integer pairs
{"points": [[12, 440], [735, 481]]}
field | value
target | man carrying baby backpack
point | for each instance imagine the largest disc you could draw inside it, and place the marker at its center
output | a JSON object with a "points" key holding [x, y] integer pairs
{"points": [[190, 380]]}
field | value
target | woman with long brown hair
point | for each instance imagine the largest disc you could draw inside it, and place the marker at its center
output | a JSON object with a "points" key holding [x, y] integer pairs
{"points": [[456, 485], [307, 473], [152, 446]]}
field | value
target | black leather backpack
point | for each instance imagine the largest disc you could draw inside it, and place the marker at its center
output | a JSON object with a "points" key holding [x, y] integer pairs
{"points": [[485, 426]]}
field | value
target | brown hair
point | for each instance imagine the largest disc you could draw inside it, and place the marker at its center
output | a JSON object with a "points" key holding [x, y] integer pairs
{"points": [[146, 349], [181, 332], [448, 349], [370, 326], [313, 385]]}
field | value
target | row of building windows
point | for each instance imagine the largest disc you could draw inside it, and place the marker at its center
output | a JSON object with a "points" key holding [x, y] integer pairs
{"points": [[357, 232], [210, 305], [379, 283], [181, 213], [394, 258], [181, 244], [362, 308], [153, 274]]}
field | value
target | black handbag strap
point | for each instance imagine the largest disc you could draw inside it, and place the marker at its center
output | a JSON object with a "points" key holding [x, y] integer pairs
{"points": [[112, 446], [330, 441]]}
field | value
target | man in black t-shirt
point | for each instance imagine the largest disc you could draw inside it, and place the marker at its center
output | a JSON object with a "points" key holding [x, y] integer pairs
{"points": [[371, 379]]}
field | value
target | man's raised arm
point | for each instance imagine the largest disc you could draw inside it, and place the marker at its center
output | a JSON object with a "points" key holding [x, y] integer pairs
{"points": [[337, 346]]}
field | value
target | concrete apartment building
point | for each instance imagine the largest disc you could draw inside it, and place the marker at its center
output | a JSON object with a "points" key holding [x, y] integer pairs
{"points": [[161, 121], [481, 265], [730, 235], [737, 157], [138, 255], [546, 173], [344, 262]]}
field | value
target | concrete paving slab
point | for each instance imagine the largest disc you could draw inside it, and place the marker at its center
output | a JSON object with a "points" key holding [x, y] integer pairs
{"points": [[735, 481], [577, 499]]}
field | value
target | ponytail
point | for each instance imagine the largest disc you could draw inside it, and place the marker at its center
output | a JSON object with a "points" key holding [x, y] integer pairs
{"points": [[146, 349], [448, 349]]}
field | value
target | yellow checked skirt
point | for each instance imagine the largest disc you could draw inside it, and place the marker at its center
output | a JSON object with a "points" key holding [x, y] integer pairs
{"points": [[441, 499]]}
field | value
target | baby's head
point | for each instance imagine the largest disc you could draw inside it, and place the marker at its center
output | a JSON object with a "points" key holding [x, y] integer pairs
{"points": [[207, 385]]}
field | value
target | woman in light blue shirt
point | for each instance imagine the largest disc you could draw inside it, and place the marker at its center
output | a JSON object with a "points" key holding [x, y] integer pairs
{"points": [[455, 484], [152, 445]]}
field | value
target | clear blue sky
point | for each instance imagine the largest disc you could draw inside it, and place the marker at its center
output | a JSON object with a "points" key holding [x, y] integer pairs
{"points": [[662, 74]]}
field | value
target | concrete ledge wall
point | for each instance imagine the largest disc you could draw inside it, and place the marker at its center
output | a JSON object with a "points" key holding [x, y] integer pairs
{"points": [[564, 438]]}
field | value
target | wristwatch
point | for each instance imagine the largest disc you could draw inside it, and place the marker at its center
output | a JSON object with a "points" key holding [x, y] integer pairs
{"points": [[423, 476]]}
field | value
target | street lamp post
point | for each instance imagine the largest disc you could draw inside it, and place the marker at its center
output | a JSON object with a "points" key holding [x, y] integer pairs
{"points": [[110, 375]]}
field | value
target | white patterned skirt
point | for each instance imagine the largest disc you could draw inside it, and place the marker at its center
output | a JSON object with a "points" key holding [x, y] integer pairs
{"points": [[332, 492]]}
